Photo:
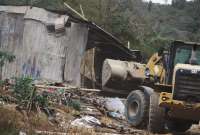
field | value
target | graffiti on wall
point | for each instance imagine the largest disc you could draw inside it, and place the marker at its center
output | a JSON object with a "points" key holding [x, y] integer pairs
{"points": [[30, 69]]}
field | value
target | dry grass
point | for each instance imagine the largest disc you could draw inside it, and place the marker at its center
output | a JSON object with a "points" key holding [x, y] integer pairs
{"points": [[12, 121], [39, 122], [106, 120], [9, 121], [82, 131]]}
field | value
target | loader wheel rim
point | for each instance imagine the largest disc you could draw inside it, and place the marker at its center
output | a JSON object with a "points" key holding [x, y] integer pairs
{"points": [[133, 109]]}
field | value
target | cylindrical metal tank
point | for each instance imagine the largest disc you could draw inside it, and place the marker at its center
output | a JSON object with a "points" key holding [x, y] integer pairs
{"points": [[122, 75]]}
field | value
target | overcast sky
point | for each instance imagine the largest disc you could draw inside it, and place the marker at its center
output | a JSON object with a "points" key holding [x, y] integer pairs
{"points": [[162, 1]]}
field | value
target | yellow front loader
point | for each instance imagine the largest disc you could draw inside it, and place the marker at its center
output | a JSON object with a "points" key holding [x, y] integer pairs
{"points": [[165, 92]]}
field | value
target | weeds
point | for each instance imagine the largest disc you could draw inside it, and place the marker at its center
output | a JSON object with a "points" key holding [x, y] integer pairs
{"points": [[23, 88], [26, 94], [75, 104]]}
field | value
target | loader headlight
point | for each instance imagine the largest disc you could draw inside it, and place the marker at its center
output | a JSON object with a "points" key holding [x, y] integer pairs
{"points": [[147, 72]]}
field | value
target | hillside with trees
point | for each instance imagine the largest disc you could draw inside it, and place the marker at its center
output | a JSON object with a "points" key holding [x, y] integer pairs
{"points": [[145, 24]]}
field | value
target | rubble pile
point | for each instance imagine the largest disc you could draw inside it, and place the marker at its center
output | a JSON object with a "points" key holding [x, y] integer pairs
{"points": [[57, 108]]}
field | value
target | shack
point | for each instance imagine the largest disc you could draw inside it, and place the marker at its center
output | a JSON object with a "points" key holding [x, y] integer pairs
{"points": [[52, 43]]}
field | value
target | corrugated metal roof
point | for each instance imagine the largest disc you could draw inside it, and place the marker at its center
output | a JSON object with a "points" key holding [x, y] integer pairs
{"points": [[42, 15]]}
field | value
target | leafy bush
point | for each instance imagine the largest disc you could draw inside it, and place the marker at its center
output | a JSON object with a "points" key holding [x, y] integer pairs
{"points": [[26, 94], [75, 104], [23, 88]]}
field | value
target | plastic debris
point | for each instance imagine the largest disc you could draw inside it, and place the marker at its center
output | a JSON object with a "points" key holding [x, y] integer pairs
{"points": [[116, 115], [86, 121], [89, 109], [115, 105], [22, 133]]}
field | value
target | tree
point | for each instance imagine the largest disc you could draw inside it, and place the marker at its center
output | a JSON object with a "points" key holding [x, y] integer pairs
{"points": [[131, 20], [150, 5], [180, 4]]}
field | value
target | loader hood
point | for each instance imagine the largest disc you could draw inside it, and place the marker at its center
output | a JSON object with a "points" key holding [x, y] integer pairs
{"points": [[186, 82]]}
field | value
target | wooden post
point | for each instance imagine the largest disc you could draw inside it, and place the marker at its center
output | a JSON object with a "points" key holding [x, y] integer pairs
{"points": [[82, 11], [74, 11]]}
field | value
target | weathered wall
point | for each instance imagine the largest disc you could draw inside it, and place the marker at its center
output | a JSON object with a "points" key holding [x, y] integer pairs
{"points": [[11, 39], [75, 52], [40, 53]]}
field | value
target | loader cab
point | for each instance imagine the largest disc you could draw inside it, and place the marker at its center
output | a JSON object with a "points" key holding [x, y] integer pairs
{"points": [[180, 53]]}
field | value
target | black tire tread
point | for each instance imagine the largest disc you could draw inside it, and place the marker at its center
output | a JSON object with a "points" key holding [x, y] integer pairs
{"points": [[144, 108], [156, 115]]}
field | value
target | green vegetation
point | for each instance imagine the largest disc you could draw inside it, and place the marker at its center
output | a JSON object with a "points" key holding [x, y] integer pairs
{"points": [[75, 104], [23, 88], [146, 25], [26, 94]]}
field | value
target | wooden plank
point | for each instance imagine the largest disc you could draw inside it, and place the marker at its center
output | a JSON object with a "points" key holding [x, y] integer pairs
{"points": [[67, 88]]}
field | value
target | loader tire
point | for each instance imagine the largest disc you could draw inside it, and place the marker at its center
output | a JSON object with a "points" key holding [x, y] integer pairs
{"points": [[175, 125], [136, 109], [156, 115]]}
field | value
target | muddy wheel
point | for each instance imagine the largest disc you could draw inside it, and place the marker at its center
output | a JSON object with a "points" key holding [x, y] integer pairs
{"points": [[156, 115], [136, 110], [175, 125]]}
